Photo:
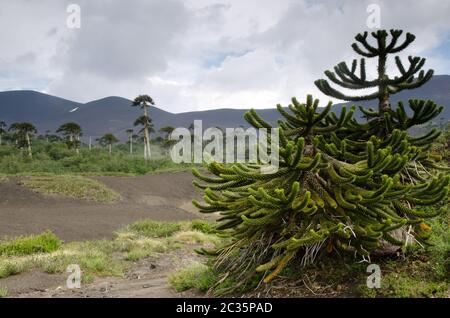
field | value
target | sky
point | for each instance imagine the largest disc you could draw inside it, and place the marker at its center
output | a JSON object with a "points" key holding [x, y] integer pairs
{"points": [[199, 54]]}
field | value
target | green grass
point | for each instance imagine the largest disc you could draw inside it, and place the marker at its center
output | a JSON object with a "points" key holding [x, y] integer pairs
{"points": [[11, 267], [27, 245], [3, 292], [97, 258], [196, 237], [55, 158], [153, 229], [71, 186], [203, 226], [145, 248], [196, 275]]}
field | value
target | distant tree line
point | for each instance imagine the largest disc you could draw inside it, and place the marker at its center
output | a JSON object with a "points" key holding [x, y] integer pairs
{"points": [[21, 134]]}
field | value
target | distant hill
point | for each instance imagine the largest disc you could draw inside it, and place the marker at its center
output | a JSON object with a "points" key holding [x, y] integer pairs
{"points": [[114, 114]]}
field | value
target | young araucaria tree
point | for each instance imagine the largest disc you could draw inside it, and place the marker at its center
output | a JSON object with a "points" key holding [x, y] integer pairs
{"points": [[108, 140], [72, 132], [342, 184], [23, 133]]}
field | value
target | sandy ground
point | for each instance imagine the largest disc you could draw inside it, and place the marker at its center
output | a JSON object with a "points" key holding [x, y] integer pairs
{"points": [[147, 278], [159, 196]]}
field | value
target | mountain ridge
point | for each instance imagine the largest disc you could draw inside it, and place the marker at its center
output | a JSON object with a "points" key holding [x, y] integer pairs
{"points": [[47, 112]]}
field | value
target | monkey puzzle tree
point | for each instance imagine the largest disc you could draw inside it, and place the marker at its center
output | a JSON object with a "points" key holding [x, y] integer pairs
{"points": [[23, 133], [108, 140], [72, 132], [144, 102], [341, 183], [166, 141], [146, 122]]}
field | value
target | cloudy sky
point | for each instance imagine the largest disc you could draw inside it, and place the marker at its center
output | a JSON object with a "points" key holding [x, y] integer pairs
{"points": [[199, 54]]}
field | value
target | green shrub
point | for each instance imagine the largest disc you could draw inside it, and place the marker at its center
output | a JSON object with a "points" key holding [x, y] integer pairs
{"points": [[196, 275], [26, 245]]}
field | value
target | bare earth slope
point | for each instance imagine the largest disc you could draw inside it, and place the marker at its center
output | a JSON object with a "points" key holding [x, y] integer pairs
{"points": [[159, 196]]}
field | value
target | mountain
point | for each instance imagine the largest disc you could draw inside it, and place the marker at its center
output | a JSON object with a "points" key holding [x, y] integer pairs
{"points": [[114, 114]]}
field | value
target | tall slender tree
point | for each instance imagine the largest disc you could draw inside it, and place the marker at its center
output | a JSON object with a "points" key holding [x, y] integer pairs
{"points": [[144, 102], [146, 123], [72, 132], [24, 132]]}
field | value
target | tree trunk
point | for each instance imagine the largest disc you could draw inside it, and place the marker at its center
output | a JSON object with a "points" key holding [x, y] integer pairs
{"points": [[146, 136], [110, 149], [27, 136], [131, 144], [76, 145]]}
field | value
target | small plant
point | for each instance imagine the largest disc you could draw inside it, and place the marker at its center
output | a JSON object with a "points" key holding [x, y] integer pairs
{"points": [[3, 291]]}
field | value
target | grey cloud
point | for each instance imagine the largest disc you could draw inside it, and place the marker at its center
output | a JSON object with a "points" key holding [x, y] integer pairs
{"points": [[194, 54], [119, 39]]}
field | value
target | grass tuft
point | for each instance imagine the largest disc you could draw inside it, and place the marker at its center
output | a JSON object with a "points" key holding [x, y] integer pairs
{"points": [[196, 275], [3, 291], [26, 245]]}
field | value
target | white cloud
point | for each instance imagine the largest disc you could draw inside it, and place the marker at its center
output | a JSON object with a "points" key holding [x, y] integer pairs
{"points": [[198, 54]]}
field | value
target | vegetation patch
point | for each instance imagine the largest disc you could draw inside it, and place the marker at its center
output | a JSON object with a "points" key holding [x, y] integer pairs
{"points": [[203, 226], [71, 186], [55, 157], [98, 258], [26, 245], [195, 275], [11, 267], [196, 237], [153, 229]]}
